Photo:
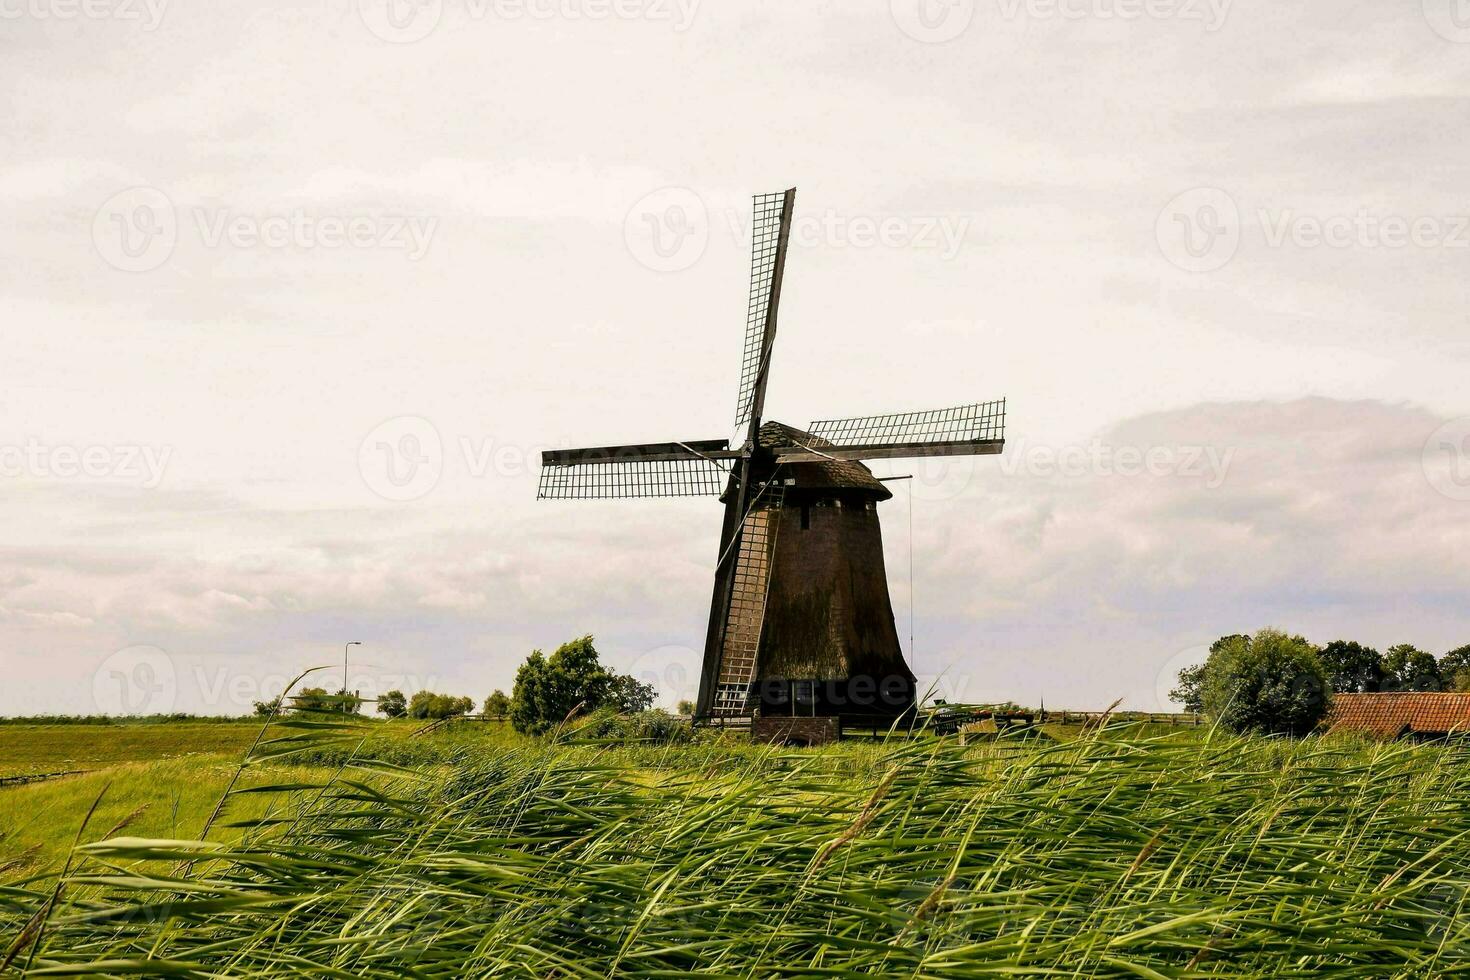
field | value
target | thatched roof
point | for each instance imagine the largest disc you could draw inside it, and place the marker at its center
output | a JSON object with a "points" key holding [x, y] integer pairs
{"points": [[826, 474]]}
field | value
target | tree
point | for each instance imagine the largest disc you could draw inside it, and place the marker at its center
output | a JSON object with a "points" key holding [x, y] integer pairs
{"points": [[392, 704], [1227, 640], [1270, 683], [548, 690], [1407, 668], [317, 699], [1454, 669], [627, 695], [1352, 667], [686, 707], [1190, 691], [312, 699], [427, 704], [497, 705], [265, 709]]}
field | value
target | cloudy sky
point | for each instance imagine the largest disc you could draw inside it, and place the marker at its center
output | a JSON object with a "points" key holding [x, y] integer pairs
{"points": [[294, 294]]}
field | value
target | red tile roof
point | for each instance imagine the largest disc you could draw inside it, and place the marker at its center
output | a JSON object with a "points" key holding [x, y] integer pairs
{"points": [[1390, 714]]}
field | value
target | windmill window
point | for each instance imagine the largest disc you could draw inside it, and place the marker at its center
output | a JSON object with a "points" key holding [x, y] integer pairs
{"points": [[806, 517]]}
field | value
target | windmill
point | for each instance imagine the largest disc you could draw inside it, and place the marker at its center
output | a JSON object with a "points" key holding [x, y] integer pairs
{"points": [[800, 620]]}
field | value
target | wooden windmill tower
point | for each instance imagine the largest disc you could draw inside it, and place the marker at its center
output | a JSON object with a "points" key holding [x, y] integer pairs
{"points": [[800, 620]]}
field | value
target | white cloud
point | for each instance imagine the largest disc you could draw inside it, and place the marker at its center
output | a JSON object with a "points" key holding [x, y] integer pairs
{"points": [[530, 323]]}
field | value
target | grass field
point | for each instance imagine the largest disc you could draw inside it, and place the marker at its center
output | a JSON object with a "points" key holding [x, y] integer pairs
{"points": [[30, 749], [164, 778], [474, 852]]}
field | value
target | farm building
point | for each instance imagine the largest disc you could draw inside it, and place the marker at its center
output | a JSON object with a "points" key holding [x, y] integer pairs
{"points": [[1395, 714]]}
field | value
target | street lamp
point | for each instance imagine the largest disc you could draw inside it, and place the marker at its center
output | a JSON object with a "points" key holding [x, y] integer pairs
{"points": [[354, 643]]}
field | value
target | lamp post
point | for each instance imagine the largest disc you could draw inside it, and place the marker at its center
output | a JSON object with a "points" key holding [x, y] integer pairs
{"points": [[353, 643]]}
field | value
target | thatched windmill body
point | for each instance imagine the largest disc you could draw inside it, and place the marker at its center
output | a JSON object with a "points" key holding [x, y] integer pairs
{"points": [[800, 619]]}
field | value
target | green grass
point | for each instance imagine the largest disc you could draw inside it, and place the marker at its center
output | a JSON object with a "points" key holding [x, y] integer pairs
{"points": [[171, 773], [1121, 855], [28, 749], [171, 798]]}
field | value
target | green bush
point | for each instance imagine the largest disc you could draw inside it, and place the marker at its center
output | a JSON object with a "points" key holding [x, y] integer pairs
{"points": [[655, 726], [427, 704]]}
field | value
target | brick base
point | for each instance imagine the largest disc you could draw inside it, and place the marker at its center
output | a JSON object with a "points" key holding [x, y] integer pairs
{"points": [[779, 730]]}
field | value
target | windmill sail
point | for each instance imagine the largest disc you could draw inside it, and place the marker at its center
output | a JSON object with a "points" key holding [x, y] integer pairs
{"points": [[965, 430], [770, 228], [664, 469]]}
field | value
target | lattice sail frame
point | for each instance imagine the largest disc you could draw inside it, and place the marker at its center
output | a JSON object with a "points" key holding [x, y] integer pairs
{"points": [[981, 421], [765, 238], [627, 479]]}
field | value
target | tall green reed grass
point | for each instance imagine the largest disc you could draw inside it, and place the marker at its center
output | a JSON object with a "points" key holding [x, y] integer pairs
{"points": [[1117, 855]]}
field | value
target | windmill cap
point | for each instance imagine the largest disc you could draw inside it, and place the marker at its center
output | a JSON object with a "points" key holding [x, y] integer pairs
{"points": [[824, 474]]}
